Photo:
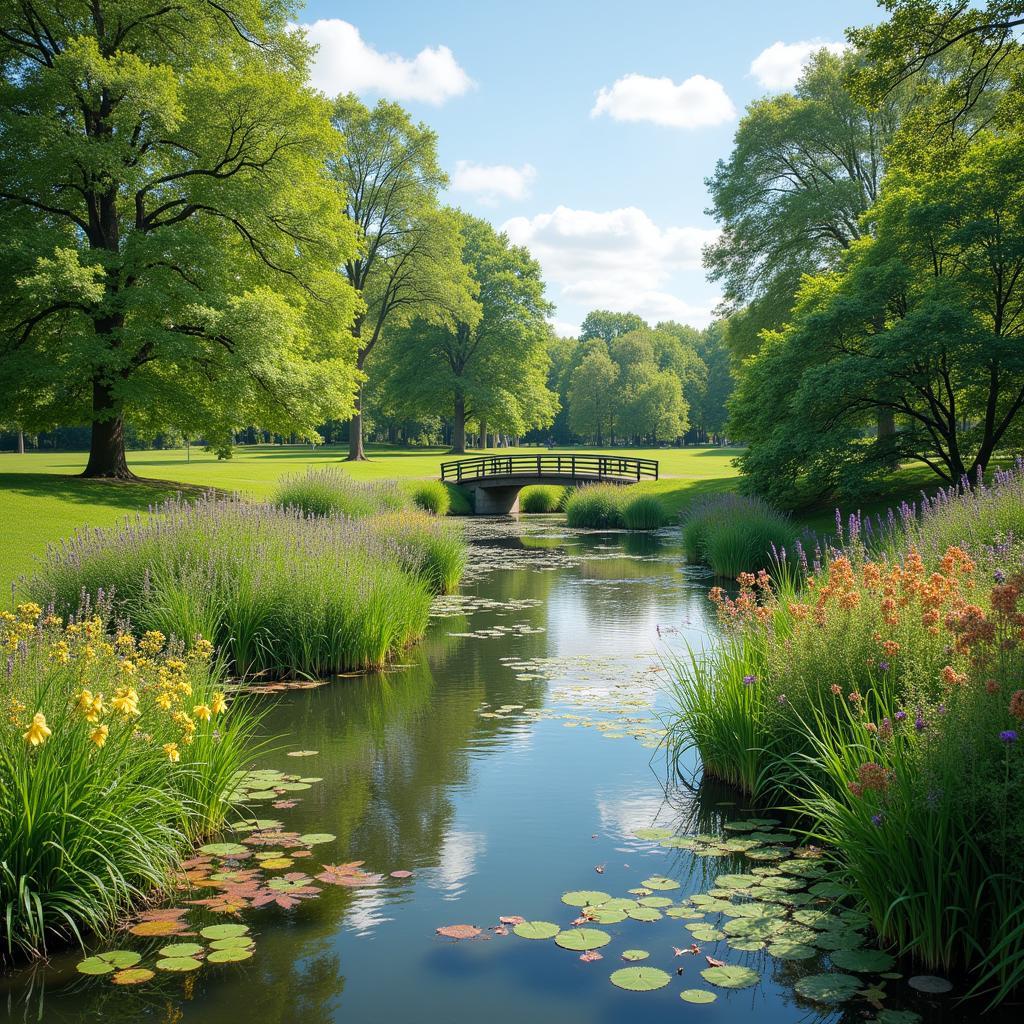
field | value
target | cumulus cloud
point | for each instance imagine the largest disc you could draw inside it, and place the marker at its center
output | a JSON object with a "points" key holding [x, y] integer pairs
{"points": [[615, 259], [345, 62], [695, 103], [493, 182], [780, 66], [565, 329]]}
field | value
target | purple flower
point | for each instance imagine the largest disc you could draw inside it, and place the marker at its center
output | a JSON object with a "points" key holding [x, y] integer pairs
{"points": [[1009, 736], [782, 698], [749, 680], [941, 709], [919, 723], [900, 716], [1000, 576], [883, 666], [877, 819]]}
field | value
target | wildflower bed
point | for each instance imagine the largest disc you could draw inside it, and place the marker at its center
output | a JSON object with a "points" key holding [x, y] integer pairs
{"points": [[882, 700]]}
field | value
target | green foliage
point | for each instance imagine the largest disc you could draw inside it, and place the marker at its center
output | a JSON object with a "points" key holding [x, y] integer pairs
{"points": [[326, 492], [432, 496], [596, 505], [591, 395], [170, 229], [93, 816], [280, 593], [542, 498], [643, 512], [607, 326], [735, 534]]}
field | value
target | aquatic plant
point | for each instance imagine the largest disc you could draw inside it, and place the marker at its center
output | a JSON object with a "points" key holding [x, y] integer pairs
{"points": [[642, 511], [116, 753], [323, 492], [542, 498], [431, 496], [733, 533], [279, 592]]}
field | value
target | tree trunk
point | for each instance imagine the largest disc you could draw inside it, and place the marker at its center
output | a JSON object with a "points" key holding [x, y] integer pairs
{"points": [[459, 426], [21, 442], [106, 453], [355, 424], [886, 429], [483, 435]]}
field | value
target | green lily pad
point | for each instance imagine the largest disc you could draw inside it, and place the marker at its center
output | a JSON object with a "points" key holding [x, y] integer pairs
{"points": [[224, 931], [740, 826], [536, 930], [229, 956], [816, 918], [223, 849], [660, 882], [898, 1017], [872, 961], [133, 976], [179, 964], [745, 945], [658, 902], [635, 954], [600, 915], [930, 983], [232, 942], [620, 903], [733, 882], [644, 914], [791, 951], [730, 976], [639, 979], [684, 913], [302, 753], [704, 932], [181, 949], [697, 995], [585, 898], [581, 939], [753, 927], [316, 838], [107, 963], [652, 833], [828, 988], [829, 890]]}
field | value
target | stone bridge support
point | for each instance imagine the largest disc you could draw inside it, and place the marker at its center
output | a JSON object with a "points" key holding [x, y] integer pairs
{"points": [[494, 500]]}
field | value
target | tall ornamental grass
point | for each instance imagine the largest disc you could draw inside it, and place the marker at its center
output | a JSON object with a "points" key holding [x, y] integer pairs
{"points": [[612, 505], [733, 533], [539, 499], [431, 496], [882, 702], [279, 592], [115, 755], [325, 492]]}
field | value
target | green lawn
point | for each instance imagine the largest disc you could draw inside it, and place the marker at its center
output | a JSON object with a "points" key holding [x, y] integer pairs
{"points": [[42, 501]]}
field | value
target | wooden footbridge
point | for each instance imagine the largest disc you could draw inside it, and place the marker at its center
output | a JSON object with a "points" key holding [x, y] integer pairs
{"points": [[494, 481]]}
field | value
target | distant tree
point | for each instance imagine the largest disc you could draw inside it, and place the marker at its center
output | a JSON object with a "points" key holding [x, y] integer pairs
{"points": [[603, 324], [409, 264], [592, 397], [652, 404], [709, 412], [169, 233]]}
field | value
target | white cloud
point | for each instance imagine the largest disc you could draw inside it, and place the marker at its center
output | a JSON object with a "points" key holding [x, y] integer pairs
{"points": [[345, 62], [781, 65], [565, 329], [493, 182], [697, 102], [616, 259]]}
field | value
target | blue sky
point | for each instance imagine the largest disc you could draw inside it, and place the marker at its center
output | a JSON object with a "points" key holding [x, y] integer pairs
{"points": [[585, 129]]}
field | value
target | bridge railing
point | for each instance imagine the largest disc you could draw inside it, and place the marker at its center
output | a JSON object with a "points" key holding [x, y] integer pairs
{"points": [[584, 466]]}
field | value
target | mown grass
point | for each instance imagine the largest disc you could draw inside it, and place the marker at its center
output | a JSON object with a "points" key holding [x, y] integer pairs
{"points": [[115, 756]]}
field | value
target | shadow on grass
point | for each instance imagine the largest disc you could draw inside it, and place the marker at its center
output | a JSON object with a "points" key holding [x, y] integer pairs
{"points": [[129, 495]]}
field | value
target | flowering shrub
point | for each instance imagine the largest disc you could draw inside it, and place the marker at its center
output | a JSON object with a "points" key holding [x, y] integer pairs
{"points": [[115, 753]]}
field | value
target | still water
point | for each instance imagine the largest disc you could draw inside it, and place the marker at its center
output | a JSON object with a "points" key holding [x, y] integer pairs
{"points": [[511, 760]]}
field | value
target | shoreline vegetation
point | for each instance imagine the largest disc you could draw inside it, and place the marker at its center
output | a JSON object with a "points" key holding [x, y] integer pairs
{"points": [[876, 692]]}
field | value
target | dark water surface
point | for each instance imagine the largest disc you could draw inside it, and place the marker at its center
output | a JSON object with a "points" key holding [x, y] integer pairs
{"points": [[495, 812]]}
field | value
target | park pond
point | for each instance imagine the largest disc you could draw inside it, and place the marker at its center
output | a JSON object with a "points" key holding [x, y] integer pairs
{"points": [[511, 769]]}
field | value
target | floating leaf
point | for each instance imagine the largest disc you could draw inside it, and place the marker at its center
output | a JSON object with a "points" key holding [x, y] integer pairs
{"points": [[302, 753], [644, 914], [179, 964], [635, 954], [316, 838], [827, 988], [697, 995], [660, 882], [107, 963], [223, 849], [829, 890], [704, 932], [229, 956], [536, 930], [898, 1017], [133, 976], [276, 863], [620, 903], [160, 927], [402, 873], [181, 949], [459, 931], [224, 931], [582, 938], [639, 979], [791, 951], [746, 945], [601, 915], [655, 901], [839, 939], [590, 955], [652, 833], [730, 976], [930, 983], [585, 898], [232, 942], [685, 913]]}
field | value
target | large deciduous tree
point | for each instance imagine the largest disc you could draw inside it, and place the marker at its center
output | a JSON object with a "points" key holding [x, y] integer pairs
{"points": [[606, 325], [410, 260], [170, 233], [592, 394]]}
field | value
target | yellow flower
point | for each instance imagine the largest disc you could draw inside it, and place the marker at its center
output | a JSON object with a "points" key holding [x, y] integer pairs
{"points": [[202, 649], [38, 732], [165, 699], [218, 704], [186, 688], [29, 611], [127, 667], [126, 701], [171, 750], [53, 620], [202, 712], [99, 735], [60, 652], [125, 643], [152, 642], [85, 700]]}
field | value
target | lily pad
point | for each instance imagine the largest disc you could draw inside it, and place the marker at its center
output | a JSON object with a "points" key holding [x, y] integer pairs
{"points": [[659, 882], [179, 964], [158, 928], [644, 914], [730, 976], [316, 838], [107, 963], [181, 949], [229, 956], [828, 988], [684, 913], [930, 983], [658, 902], [580, 939], [635, 954], [791, 951], [639, 979], [223, 849], [585, 898], [829, 890], [704, 932], [536, 930], [302, 753], [232, 942], [224, 931], [133, 976], [601, 915], [745, 945], [697, 995], [459, 931], [652, 833], [839, 939], [898, 1017], [620, 903]]}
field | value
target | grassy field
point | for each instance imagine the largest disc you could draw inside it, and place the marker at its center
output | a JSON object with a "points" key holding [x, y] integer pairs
{"points": [[42, 501]]}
